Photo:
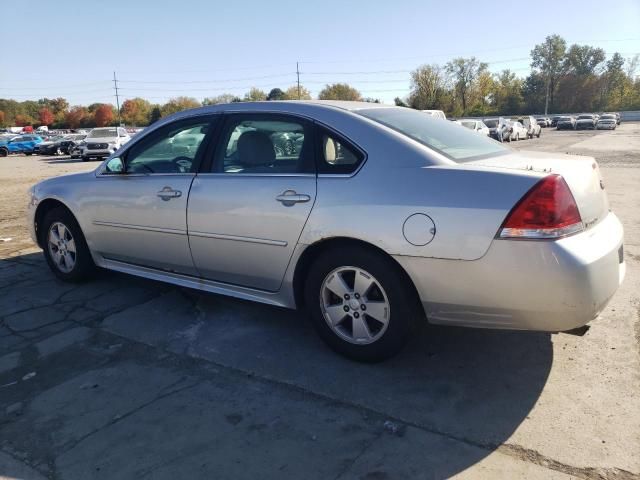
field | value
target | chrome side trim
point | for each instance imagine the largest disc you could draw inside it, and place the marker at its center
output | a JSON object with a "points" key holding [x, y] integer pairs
{"points": [[221, 236], [140, 227], [270, 298]]}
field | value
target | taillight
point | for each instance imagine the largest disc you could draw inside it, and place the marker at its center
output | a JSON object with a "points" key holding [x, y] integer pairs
{"points": [[548, 210]]}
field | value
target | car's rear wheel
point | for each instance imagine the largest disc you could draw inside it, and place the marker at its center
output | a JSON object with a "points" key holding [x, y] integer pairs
{"points": [[361, 304], [64, 246], [4, 152]]}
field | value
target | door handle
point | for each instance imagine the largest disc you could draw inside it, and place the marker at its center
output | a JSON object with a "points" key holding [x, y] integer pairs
{"points": [[291, 197], [167, 193]]}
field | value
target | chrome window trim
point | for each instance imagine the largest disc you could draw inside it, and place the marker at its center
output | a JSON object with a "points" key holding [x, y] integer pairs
{"points": [[239, 238], [104, 174]]}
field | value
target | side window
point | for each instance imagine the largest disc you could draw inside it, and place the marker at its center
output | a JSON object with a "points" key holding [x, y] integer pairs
{"points": [[336, 156], [172, 149], [263, 143], [122, 132]]}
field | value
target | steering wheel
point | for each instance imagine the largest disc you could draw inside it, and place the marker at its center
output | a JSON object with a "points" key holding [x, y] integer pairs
{"points": [[183, 163]]}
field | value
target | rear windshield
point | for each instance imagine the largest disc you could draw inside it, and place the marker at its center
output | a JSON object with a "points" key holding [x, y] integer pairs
{"points": [[446, 138], [491, 123], [585, 117]]}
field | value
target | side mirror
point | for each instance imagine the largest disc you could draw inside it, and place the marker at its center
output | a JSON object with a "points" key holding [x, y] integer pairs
{"points": [[114, 165]]}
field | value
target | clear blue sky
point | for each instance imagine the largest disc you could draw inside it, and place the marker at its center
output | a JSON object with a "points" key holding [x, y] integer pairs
{"points": [[203, 48]]}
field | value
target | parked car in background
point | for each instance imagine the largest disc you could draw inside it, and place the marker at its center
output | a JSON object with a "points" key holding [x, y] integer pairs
{"points": [[518, 131], [608, 121], [566, 122], [477, 126], [499, 129], [49, 146], [436, 113], [531, 126], [21, 144], [554, 120], [534, 246], [102, 142], [544, 122], [77, 150], [70, 141], [586, 121]]}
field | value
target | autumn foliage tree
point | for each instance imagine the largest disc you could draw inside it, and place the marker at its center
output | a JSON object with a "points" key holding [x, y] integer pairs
{"points": [[178, 104], [339, 91], [46, 116], [103, 115], [136, 111], [76, 117], [23, 120], [1, 118]]}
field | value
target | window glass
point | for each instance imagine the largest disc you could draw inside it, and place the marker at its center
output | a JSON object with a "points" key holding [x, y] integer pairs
{"points": [[336, 157], [263, 145], [455, 143], [171, 150]]}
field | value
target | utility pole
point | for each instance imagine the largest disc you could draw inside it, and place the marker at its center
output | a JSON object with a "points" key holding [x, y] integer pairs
{"points": [[115, 85], [298, 75]]}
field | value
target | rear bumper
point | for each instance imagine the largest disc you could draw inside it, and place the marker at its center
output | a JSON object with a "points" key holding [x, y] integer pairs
{"points": [[525, 285]]}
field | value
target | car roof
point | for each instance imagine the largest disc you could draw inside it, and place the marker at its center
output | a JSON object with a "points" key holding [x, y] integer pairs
{"points": [[300, 107]]}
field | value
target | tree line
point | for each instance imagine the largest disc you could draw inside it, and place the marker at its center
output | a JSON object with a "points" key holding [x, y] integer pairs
{"points": [[575, 78]]}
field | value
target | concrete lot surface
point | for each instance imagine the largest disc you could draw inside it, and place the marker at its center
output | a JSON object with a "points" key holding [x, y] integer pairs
{"points": [[129, 378]]}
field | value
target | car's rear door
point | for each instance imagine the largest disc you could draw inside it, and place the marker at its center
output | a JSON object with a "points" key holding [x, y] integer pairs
{"points": [[139, 216], [248, 208]]}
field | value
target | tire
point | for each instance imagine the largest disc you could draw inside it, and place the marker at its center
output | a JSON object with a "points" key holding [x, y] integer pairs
{"points": [[4, 152], [387, 284], [85, 159], [59, 151], [28, 154], [77, 264], [539, 133]]}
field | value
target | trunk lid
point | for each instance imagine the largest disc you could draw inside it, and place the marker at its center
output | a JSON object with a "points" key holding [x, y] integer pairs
{"points": [[582, 174]]}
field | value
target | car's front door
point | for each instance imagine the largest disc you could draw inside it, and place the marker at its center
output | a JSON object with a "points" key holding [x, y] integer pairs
{"points": [[138, 216], [247, 211]]}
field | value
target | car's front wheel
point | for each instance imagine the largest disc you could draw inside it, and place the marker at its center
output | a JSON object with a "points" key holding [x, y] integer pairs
{"points": [[64, 246], [361, 304]]}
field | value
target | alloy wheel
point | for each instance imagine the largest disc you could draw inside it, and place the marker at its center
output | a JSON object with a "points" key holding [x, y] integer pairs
{"points": [[354, 305], [62, 247]]}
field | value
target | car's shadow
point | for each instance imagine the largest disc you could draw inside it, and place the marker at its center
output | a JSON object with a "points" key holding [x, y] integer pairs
{"points": [[59, 159], [474, 387]]}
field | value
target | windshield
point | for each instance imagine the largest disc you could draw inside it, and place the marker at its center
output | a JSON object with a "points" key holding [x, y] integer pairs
{"points": [[468, 124], [103, 133], [585, 117], [493, 123], [607, 117], [443, 137]]}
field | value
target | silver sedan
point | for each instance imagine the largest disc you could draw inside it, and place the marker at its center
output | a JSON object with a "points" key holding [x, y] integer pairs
{"points": [[372, 218]]}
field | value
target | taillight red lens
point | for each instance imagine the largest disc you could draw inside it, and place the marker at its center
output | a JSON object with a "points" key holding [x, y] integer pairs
{"points": [[548, 210]]}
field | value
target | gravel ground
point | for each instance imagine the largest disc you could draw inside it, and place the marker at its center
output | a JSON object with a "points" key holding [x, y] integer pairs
{"points": [[128, 378]]}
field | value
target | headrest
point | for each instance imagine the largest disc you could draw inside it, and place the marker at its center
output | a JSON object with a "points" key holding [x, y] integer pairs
{"points": [[255, 148], [329, 147]]}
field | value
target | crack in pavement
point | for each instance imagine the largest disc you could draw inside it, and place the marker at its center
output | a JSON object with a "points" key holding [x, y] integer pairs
{"points": [[118, 418]]}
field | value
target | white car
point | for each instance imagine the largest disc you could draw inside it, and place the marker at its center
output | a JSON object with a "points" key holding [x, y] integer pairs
{"points": [[518, 132], [436, 113], [477, 126], [102, 142]]}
